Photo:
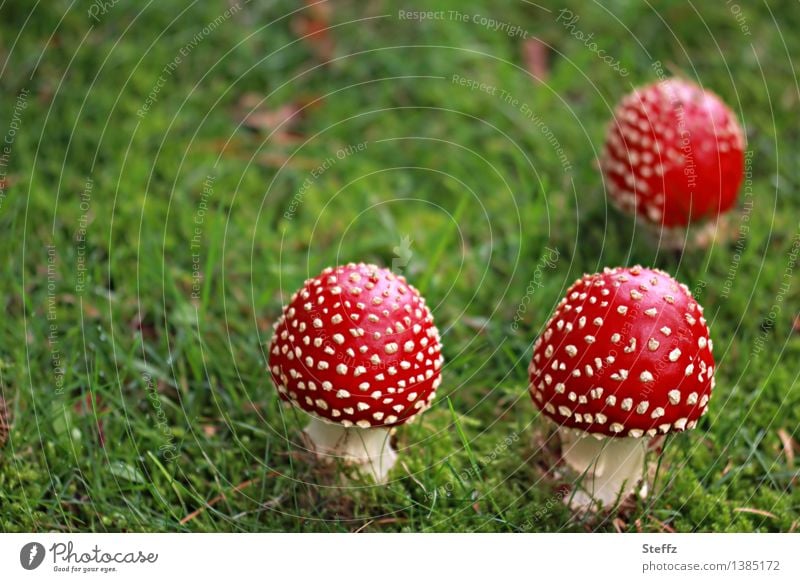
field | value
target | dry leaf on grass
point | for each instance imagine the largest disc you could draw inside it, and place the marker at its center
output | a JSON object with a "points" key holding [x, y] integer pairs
{"points": [[789, 446], [312, 27], [535, 55]]}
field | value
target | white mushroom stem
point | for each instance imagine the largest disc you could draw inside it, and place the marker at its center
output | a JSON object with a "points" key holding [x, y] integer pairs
{"points": [[677, 238], [369, 448], [610, 467]]}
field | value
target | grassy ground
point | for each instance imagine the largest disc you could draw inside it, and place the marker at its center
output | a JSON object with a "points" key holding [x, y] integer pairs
{"points": [[150, 237]]}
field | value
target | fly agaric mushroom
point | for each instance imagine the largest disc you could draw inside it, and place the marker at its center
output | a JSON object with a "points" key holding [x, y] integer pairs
{"points": [[674, 155], [626, 357], [357, 349]]}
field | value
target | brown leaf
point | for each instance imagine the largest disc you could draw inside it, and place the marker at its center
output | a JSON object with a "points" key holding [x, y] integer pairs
{"points": [[534, 53], [796, 324], [7, 182], [280, 123], [321, 11], [313, 30], [90, 310], [789, 445], [269, 120]]}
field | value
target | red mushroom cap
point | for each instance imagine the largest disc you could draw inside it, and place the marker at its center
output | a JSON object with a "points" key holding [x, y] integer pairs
{"points": [[627, 353], [357, 346], [674, 154]]}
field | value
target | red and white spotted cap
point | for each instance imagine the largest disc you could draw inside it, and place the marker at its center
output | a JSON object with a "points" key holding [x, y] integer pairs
{"points": [[627, 353], [674, 154], [357, 346]]}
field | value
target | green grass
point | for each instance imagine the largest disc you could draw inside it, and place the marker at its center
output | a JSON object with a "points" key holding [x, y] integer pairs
{"points": [[178, 385]]}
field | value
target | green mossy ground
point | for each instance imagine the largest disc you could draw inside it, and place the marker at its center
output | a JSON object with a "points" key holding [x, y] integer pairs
{"points": [[164, 403]]}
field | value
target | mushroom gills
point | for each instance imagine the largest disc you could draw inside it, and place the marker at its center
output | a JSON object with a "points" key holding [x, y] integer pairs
{"points": [[610, 467], [368, 448]]}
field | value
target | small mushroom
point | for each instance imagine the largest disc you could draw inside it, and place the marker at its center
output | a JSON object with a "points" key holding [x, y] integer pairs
{"points": [[674, 156], [625, 358], [357, 349]]}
